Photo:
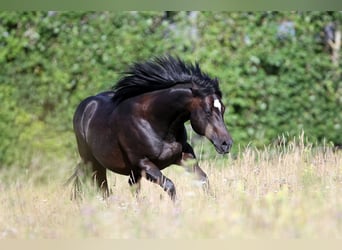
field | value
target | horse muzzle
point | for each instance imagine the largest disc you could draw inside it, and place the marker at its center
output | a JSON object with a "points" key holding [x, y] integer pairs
{"points": [[220, 138], [223, 146]]}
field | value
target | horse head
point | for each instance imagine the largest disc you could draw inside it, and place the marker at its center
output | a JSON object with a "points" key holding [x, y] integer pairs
{"points": [[207, 119]]}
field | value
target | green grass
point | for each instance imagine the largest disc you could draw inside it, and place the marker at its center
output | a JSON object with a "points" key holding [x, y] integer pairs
{"points": [[291, 191]]}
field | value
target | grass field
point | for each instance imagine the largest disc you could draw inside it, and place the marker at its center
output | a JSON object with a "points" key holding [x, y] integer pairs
{"points": [[291, 191]]}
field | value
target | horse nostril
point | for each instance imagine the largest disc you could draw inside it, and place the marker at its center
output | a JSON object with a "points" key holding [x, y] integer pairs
{"points": [[226, 145]]}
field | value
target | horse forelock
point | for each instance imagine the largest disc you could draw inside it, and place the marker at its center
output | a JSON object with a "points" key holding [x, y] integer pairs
{"points": [[162, 73]]}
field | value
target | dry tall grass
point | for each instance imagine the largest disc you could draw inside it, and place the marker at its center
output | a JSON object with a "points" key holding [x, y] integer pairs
{"points": [[291, 191]]}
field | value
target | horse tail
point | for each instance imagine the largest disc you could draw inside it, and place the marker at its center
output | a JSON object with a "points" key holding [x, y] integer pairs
{"points": [[76, 179]]}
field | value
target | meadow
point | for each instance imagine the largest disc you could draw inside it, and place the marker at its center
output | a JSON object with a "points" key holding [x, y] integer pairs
{"points": [[289, 190]]}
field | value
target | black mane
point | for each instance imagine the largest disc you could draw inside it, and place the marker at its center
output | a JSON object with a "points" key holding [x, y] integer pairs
{"points": [[163, 73]]}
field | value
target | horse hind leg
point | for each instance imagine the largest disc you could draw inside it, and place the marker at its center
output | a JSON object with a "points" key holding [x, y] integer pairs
{"points": [[85, 172], [99, 177], [90, 168]]}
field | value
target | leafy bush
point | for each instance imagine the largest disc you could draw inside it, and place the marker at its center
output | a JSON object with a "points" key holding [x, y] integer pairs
{"points": [[272, 83]]}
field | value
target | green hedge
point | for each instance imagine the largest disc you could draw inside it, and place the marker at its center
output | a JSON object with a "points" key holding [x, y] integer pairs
{"points": [[52, 60]]}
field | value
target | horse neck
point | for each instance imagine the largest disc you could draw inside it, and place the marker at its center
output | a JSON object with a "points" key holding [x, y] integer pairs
{"points": [[170, 106]]}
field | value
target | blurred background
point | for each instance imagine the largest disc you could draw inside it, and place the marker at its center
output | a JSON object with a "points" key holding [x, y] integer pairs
{"points": [[280, 72]]}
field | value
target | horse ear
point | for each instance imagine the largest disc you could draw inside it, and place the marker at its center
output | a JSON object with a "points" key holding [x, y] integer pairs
{"points": [[195, 89]]}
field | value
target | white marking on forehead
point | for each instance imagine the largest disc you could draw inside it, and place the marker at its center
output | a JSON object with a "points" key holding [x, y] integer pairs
{"points": [[217, 104]]}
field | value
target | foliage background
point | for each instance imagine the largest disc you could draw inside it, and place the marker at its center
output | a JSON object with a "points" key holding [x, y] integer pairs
{"points": [[50, 61]]}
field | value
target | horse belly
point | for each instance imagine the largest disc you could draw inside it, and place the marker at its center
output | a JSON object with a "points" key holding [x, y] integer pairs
{"points": [[108, 154], [114, 162]]}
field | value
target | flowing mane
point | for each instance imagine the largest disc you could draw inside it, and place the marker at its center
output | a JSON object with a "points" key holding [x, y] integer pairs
{"points": [[162, 73]]}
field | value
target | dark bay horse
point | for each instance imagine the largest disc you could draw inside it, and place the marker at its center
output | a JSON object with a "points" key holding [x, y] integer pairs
{"points": [[138, 128]]}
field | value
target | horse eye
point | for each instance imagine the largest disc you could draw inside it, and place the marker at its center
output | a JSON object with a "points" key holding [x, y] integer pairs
{"points": [[207, 112]]}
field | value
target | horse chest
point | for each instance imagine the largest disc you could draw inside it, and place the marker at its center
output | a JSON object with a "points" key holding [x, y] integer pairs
{"points": [[170, 153]]}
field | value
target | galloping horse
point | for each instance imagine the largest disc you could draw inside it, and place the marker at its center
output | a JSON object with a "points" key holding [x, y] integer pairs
{"points": [[138, 128]]}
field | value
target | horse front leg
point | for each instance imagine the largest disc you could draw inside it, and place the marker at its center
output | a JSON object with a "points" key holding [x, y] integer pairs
{"points": [[190, 163], [153, 174]]}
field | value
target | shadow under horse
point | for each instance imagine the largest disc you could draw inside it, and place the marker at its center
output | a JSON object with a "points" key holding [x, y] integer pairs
{"points": [[138, 128]]}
